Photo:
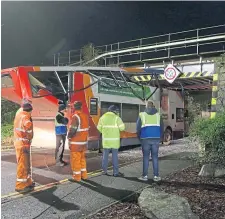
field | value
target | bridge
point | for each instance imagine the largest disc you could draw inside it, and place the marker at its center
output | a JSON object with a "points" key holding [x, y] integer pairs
{"points": [[194, 52], [197, 45]]}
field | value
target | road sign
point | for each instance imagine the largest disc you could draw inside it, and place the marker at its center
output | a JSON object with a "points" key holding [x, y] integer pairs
{"points": [[171, 73]]}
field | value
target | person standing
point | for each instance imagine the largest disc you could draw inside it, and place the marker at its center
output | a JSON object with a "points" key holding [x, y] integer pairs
{"points": [[61, 131], [150, 132], [23, 135], [110, 125], [78, 142]]}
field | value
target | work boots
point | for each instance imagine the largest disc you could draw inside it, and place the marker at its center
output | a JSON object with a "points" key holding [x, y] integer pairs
{"points": [[25, 190], [84, 175]]}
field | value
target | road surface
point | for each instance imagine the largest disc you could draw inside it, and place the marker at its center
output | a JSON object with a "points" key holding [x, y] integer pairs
{"points": [[45, 172]]}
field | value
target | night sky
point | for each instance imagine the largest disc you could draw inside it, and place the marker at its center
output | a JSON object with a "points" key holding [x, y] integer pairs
{"points": [[31, 30]]}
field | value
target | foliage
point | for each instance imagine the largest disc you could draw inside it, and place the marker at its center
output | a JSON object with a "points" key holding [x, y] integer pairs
{"points": [[211, 134], [7, 134], [8, 111], [220, 69], [7, 131], [88, 53], [194, 109]]}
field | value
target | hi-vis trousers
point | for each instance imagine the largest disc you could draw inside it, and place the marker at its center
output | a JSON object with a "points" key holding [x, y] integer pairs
{"points": [[78, 165], [23, 168]]}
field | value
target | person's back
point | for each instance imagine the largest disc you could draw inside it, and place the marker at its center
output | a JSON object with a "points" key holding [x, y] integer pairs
{"points": [[111, 130], [110, 125], [150, 131], [151, 125]]}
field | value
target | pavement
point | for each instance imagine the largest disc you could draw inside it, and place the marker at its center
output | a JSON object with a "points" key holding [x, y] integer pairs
{"points": [[78, 200], [44, 170]]}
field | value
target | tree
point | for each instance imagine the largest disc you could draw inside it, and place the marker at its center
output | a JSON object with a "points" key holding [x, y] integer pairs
{"points": [[209, 133], [88, 53], [8, 110]]}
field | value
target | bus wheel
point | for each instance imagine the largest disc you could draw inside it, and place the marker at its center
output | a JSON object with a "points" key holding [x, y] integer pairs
{"points": [[167, 137]]}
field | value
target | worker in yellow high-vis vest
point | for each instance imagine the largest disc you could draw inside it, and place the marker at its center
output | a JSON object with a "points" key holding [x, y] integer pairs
{"points": [[110, 125], [150, 131]]}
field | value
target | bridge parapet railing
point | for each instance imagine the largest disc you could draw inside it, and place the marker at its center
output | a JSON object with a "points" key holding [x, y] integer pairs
{"points": [[166, 46]]}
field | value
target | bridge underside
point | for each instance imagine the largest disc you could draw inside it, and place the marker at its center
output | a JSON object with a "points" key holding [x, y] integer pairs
{"points": [[183, 83]]}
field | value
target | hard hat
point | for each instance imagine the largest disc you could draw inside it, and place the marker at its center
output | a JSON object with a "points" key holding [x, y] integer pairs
{"points": [[77, 105]]}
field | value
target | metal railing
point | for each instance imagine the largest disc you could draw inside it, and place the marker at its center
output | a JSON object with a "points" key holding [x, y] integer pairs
{"points": [[186, 44]]}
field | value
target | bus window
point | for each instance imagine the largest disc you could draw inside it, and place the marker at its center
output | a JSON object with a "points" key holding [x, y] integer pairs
{"points": [[106, 105], [142, 108], [6, 81], [48, 83], [179, 114], [130, 112]]}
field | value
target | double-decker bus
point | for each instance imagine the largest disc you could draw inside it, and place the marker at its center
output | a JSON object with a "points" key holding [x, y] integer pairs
{"points": [[97, 88]]}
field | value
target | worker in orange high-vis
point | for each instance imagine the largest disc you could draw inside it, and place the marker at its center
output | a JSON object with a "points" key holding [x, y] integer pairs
{"points": [[23, 135], [78, 141]]}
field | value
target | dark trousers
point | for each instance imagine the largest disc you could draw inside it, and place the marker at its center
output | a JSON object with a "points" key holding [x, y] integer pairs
{"points": [[60, 146]]}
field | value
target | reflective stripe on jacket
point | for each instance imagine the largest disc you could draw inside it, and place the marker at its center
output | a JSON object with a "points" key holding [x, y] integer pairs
{"points": [[79, 141], [23, 129], [19, 110], [60, 129], [150, 127], [110, 125]]}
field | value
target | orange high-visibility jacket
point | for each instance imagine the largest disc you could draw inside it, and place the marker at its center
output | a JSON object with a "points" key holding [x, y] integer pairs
{"points": [[23, 129], [79, 141], [19, 110]]}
